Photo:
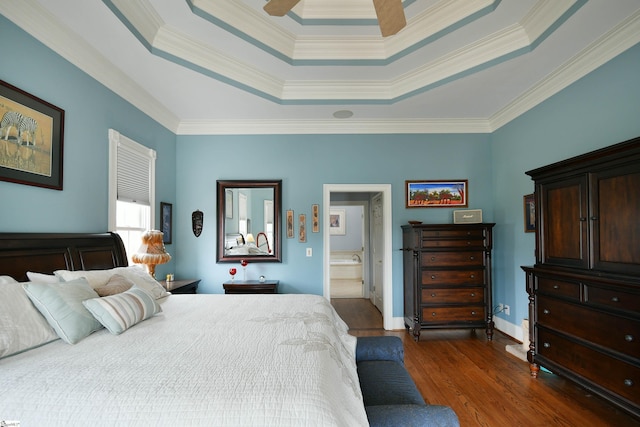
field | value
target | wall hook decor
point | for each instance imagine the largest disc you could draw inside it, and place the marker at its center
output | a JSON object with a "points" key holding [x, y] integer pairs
{"points": [[197, 218]]}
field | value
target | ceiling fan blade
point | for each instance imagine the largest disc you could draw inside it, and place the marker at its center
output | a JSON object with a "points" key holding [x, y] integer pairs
{"points": [[279, 7], [391, 17]]}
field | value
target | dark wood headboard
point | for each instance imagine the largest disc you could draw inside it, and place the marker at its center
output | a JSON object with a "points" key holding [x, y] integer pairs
{"points": [[48, 252]]}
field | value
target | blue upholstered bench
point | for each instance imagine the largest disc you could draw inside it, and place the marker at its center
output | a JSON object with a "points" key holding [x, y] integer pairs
{"points": [[391, 398]]}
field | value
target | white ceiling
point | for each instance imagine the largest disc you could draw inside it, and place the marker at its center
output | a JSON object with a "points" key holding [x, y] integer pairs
{"points": [[226, 67]]}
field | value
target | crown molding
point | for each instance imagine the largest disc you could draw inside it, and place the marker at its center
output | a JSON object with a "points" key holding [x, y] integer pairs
{"points": [[327, 127], [620, 38], [45, 27]]}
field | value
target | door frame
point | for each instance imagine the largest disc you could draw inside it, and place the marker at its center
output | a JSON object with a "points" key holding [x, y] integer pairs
{"points": [[387, 274]]}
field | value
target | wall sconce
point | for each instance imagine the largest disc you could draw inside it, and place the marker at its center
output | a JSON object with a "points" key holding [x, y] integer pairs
{"points": [[151, 251]]}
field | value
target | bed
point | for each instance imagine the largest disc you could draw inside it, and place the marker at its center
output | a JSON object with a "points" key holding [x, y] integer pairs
{"points": [[194, 360]]}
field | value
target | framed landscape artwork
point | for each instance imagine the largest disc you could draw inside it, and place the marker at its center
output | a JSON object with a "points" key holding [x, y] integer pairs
{"points": [[436, 194], [31, 139]]}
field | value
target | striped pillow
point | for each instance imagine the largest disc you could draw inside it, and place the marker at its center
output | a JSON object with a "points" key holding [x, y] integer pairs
{"points": [[119, 312]]}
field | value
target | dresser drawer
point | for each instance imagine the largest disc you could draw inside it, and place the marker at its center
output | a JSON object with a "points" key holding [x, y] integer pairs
{"points": [[452, 277], [476, 233], [451, 259], [559, 288], [453, 243], [613, 298], [453, 314], [612, 374], [614, 332], [448, 296]]}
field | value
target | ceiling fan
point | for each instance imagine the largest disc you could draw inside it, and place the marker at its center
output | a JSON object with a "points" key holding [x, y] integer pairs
{"points": [[390, 13]]}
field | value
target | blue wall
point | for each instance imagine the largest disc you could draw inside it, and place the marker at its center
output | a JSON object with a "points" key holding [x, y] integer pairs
{"points": [[90, 110], [599, 110], [305, 163]]}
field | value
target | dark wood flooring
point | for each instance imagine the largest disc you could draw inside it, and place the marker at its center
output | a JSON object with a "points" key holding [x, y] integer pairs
{"points": [[485, 385]]}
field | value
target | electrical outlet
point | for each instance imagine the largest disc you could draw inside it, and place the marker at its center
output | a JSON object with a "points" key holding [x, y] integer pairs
{"points": [[507, 310], [309, 251], [500, 307]]}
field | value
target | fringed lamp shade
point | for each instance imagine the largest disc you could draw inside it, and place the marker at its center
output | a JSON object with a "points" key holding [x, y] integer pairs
{"points": [[151, 251]]}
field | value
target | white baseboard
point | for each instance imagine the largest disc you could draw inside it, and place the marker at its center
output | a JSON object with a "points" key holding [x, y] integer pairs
{"points": [[502, 325], [508, 328]]}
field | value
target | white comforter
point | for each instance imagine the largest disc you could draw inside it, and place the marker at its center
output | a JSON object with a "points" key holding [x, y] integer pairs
{"points": [[206, 360]]}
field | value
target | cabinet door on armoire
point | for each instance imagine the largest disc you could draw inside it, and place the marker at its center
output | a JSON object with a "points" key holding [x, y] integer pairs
{"points": [[615, 220], [563, 208]]}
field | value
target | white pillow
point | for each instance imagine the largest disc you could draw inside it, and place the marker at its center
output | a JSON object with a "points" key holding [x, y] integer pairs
{"points": [[7, 279], [21, 325], [42, 278], [98, 278], [119, 312], [61, 304]]}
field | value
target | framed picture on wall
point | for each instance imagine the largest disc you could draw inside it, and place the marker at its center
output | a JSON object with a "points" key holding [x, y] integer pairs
{"points": [[290, 224], [32, 139], [302, 228], [166, 221], [529, 207], [337, 222], [436, 194], [315, 221]]}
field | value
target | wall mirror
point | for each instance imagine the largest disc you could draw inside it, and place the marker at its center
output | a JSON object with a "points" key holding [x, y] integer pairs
{"points": [[249, 221]]}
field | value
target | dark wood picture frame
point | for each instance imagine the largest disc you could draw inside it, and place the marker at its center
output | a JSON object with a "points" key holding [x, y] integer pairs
{"points": [[452, 193], [166, 222], [529, 208], [32, 153]]}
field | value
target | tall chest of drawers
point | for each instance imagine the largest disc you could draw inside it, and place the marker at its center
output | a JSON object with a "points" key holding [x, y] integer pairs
{"points": [[447, 276], [584, 290]]}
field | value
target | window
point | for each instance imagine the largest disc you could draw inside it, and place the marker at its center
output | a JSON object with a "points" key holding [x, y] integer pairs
{"points": [[131, 189]]}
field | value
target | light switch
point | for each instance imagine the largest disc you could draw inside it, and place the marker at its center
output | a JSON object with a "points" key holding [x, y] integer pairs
{"points": [[309, 252]]}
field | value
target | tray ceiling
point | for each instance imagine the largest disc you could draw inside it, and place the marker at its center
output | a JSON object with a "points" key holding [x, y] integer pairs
{"points": [[226, 67]]}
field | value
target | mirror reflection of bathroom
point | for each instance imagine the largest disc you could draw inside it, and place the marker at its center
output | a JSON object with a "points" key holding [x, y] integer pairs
{"points": [[347, 256]]}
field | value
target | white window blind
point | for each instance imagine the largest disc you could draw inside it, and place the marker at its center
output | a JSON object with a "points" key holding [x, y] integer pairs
{"points": [[133, 175]]}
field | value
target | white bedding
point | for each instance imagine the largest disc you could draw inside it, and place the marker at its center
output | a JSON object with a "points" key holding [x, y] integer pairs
{"points": [[205, 360]]}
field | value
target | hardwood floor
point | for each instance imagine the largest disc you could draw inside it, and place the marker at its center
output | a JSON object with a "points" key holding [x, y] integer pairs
{"points": [[485, 385]]}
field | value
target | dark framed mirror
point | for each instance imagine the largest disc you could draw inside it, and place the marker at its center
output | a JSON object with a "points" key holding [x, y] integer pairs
{"points": [[249, 220]]}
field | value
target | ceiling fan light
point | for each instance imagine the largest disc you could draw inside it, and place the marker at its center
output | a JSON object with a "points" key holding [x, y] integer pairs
{"points": [[279, 7], [391, 17]]}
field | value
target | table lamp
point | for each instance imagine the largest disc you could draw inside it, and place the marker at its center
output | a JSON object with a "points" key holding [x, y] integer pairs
{"points": [[152, 251]]}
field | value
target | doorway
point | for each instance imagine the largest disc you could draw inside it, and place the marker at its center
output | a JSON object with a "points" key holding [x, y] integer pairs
{"points": [[384, 272]]}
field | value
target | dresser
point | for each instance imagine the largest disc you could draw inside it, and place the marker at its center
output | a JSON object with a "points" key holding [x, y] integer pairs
{"points": [[584, 290], [447, 276], [189, 286]]}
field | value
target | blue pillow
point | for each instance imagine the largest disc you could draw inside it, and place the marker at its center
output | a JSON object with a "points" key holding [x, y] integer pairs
{"points": [[61, 304]]}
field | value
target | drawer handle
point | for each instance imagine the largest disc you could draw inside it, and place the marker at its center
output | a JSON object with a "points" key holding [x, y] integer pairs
{"points": [[556, 287], [473, 276], [615, 299], [472, 257], [468, 243], [433, 276], [628, 338], [545, 311], [473, 313], [546, 345], [433, 314], [433, 258], [473, 294], [628, 382], [433, 295]]}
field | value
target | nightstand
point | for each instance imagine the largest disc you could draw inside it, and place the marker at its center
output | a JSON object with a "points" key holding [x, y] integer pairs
{"points": [[251, 287], [189, 286]]}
